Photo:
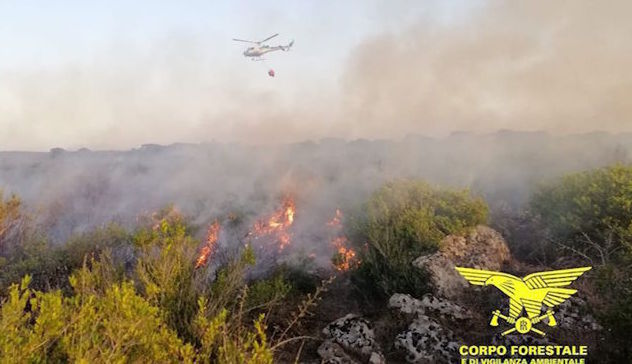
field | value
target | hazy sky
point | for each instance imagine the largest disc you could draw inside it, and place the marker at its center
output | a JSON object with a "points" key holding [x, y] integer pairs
{"points": [[117, 74]]}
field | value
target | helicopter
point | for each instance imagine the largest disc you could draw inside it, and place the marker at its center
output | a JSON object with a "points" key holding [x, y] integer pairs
{"points": [[255, 52]]}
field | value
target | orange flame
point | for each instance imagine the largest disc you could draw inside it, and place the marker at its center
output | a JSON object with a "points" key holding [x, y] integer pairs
{"points": [[211, 242], [337, 220], [277, 224], [345, 257]]}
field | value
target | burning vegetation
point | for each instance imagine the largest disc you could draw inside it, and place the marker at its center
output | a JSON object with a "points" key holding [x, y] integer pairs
{"points": [[344, 257], [273, 234], [154, 275], [212, 235], [276, 226]]}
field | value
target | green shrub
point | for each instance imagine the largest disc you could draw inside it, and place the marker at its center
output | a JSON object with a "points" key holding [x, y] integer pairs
{"points": [[156, 308], [165, 272], [115, 326], [121, 326], [612, 306], [28, 335], [221, 343], [50, 265], [403, 220], [269, 291], [106, 320], [589, 212], [587, 216]]}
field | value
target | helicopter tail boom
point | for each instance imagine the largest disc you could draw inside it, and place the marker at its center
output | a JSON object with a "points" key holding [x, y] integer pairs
{"points": [[287, 47]]}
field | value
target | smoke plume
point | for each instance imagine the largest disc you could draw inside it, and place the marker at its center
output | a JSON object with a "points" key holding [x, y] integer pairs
{"points": [[562, 67]]}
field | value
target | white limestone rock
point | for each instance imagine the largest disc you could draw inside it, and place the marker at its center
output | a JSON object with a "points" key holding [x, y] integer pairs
{"points": [[352, 332], [429, 304], [481, 248], [426, 341], [350, 339]]}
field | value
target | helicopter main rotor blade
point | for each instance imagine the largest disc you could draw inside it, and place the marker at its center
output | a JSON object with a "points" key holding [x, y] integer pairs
{"points": [[246, 41], [268, 38]]}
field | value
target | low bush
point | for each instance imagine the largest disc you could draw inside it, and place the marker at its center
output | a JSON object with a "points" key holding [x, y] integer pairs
{"points": [[401, 221], [150, 305], [589, 213], [587, 218], [50, 265]]}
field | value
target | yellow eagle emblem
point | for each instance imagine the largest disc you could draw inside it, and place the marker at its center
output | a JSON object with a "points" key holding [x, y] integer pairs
{"points": [[529, 294]]}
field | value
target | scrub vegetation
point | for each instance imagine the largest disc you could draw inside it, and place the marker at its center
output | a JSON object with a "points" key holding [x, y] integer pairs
{"points": [[119, 295]]}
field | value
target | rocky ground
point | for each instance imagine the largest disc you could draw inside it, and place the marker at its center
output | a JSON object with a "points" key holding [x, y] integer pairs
{"points": [[431, 328]]}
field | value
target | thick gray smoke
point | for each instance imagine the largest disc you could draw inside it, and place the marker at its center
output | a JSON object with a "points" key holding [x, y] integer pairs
{"points": [[561, 67], [543, 69], [75, 191]]}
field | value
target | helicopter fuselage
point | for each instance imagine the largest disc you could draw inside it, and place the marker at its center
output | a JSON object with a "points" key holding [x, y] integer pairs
{"points": [[259, 51]]}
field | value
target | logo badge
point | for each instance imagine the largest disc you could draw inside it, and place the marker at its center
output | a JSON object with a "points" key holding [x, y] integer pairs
{"points": [[530, 295]]}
